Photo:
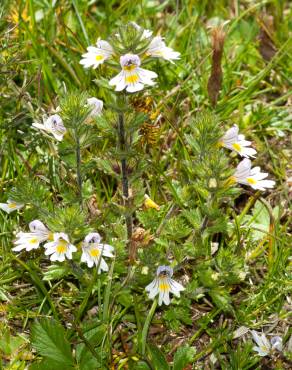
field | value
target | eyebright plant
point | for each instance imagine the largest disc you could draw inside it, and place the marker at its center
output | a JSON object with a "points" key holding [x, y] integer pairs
{"points": [[87, 136]]}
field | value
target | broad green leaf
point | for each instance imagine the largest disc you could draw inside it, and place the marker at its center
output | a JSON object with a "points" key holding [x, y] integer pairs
{"points": [[49, 339], [259, 220], [183, 356], [48, 364], [157, 358]]}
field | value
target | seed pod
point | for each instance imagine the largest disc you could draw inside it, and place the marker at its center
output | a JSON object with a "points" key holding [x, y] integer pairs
{"points": [[215, 80]]}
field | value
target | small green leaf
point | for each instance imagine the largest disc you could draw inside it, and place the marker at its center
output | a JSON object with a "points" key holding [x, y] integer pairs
{"points": [[49, 339], [157, 358], [183, 356], [221, 298], [56, 272], [141, 365]]}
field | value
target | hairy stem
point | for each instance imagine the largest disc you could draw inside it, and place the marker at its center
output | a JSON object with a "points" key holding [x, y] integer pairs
{"points": [[78, 170], [125, 182]]}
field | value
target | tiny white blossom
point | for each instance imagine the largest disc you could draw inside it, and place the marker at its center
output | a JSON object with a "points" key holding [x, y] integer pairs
{"points": [[60, 248], [146, 33], [264, 346], [93, 251], [158, 49], [96, 55], [233, 141], [95, 105], [132, 77], [163, 284], [53, 125], [253, 177], [10, 206], [28, 241]]}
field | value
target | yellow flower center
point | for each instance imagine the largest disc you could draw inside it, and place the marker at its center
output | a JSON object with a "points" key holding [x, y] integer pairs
{"points": [[132, 79], [251, 181], [12, 205], [236, 146], [129, 68], [94, 253], [99, 57], [265, 349], [33, 241], [62, 246], [163, 286]]}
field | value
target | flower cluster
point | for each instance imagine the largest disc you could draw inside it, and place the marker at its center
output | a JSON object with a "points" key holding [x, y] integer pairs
{"points": [[132, 77], [54, 124], [59, 247], [245, 174]]}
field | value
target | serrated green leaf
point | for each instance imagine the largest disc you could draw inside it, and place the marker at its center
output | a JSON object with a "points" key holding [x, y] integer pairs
{"points": [[47, 364], [49, 339], [183, 356], [56, 272]]}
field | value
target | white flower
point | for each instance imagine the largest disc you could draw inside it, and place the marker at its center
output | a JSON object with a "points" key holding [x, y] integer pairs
{"points": [[253, 177], [264, 347], [158, 49], [97, 55], [10, 206], [28, 241], [96, 106], [60, 248], [132, 77], [163, 285], [233, 141], [93, 251], [146, 33], [53, 125]]}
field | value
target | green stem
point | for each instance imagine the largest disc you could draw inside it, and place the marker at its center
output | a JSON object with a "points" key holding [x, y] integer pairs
{"points": [[86, 342], [146, 327], [125, 182], [105, 315], [86, 298], [80, 22], [78, 169]]}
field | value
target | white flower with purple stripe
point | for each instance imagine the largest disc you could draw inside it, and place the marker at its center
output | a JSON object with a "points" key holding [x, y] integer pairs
{"points": [[233, 141], [264, 346], [158, 49], [52, 125], [10, 206], [163, 284], [132, 78], [93, 251], [253, 177], [96, 55], [28, 241], [60, 248]]}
